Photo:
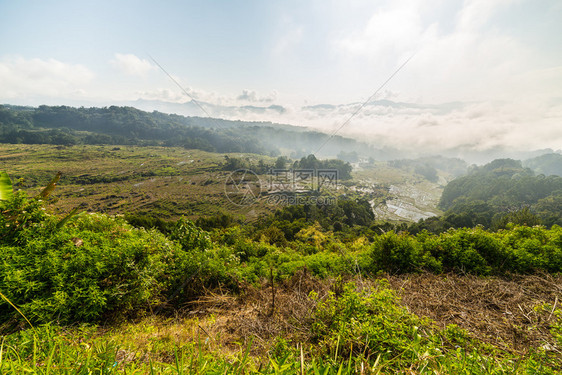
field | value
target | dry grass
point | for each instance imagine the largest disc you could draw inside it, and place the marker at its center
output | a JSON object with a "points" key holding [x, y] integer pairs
{"points": [[495, 310], [254, 314]]}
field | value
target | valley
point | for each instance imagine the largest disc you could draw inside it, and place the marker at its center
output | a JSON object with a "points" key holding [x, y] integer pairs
{"points": [[174, 182]]}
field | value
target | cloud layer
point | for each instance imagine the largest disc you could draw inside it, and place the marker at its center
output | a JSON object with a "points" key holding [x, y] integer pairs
{"points": [[27, 78], [132, 65], [486, 74]]}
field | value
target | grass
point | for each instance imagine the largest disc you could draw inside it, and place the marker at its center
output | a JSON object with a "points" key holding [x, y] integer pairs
{"points": [[172, 182], [161, 181], [214, 341]]}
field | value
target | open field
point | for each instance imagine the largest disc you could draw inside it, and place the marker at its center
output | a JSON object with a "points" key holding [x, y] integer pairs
{"points": [[166, 182], [173, 182]]}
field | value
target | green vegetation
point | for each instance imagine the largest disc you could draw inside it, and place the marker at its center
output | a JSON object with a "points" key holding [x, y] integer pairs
{"points": [[496, 194], [5, 187], [114, 125], [309, 162], [309, 288]]}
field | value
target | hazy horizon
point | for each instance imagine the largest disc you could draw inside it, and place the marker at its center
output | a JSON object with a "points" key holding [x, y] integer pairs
{"points": [[485, 76]]}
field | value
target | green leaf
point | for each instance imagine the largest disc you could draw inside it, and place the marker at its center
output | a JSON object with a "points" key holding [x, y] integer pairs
{"points": [[64, 220], [49, 188], [6, 190]]}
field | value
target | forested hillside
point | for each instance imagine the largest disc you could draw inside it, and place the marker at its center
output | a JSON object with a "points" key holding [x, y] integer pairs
{"points": [[129, 126], [548, 164], [497, 193]]}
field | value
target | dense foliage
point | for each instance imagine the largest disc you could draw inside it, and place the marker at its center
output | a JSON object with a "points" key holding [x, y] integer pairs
{"points": [[494, 195], [311, 162], [92, 267], [97, 266]]}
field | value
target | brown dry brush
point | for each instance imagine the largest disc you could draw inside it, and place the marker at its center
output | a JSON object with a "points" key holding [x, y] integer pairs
{"points": [[498, 311], [262, 314]]}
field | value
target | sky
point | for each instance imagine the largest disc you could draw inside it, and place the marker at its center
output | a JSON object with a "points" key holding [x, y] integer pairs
{"points": [[481, 74]]}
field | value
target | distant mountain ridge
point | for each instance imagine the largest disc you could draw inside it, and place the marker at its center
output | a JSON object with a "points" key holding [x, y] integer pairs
{"points": [[127, 125], [547, 164]]}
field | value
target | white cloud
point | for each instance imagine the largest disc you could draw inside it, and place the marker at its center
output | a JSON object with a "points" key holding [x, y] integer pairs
{"points": [[131, 64], [473, 126], [473, 60], [388, 31], [476, 13], [167, 95], [22, 78]]}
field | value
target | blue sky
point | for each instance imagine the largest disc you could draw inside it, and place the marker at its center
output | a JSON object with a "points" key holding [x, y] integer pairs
{"points": [[499, 60]]}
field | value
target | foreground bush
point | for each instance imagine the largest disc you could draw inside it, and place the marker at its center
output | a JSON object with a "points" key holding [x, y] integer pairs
{"points": [[369, 322], [92, 268], [519, 249]]}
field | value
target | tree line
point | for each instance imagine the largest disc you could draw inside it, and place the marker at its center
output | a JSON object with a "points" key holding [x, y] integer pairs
{"points": [[63, 125]]}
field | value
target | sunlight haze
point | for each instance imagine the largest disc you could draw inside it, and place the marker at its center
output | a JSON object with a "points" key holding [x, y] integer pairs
{"points": [[484, 75]]}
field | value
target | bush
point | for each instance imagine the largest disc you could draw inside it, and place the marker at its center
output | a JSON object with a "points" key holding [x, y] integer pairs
{"points": [[534, 248], [368, 322], [396, 253], [20, 216], [456, 252], [91, 269]]}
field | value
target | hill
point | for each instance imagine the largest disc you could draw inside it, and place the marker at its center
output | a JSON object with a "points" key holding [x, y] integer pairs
{"points": [[500, 188], [547, 164], [114, 125]]}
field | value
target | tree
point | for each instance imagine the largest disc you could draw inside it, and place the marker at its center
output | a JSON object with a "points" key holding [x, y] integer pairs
{"points": [[520, 217], [281, 162]]}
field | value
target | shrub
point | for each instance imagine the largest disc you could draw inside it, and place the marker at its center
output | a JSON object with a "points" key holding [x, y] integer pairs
{"points": [[189, 236], [456, 253], [396, 253], [18, 214], [368, 322], [534, 248], [90, 269]]}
